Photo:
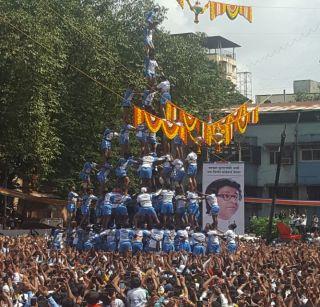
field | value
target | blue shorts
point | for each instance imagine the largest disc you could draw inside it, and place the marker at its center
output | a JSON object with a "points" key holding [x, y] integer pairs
{"points": [[181, 211], [149, 211], [71, 208], [193, 209], [183, 246], [101, 177], [125, 247], [106, 209], [85, 210], [164, 98], [157, 207], [137, 247], [111, 246], [177, 141], [179, 176], [84, 176], [105, 145], [121, 210], [192, 170], [213, 249], [168, 247], [215, 210], [167, 208], [145, 173], [199, 249], [232, 247]]}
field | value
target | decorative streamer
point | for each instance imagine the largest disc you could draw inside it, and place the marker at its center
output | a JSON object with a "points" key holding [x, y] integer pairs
{"points": [[138, 116], [181, 3], [153, 123], [170, 130]]}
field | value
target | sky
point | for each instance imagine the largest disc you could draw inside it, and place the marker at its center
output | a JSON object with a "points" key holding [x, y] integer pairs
{"points": [[280, 46]]}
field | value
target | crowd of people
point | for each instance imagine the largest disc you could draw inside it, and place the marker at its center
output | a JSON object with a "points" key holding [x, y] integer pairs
{"points": [[35, 274], [146, 246]]}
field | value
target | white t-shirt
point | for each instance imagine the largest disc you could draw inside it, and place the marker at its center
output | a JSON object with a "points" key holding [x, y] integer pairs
{"points": [[181, 201], [144, 200], [116, 303], [192, 197], [212, 237], [152, 66], [149, 99], [230, 236], [147, 161], [137, 297], [164, 86], [192, 158], [167, 196]]}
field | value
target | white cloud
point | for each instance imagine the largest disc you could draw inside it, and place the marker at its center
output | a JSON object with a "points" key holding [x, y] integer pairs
{"points": [[272, 28]]}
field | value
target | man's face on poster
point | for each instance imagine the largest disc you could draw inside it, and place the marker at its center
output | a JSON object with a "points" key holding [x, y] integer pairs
{"points": [[228, 200]]}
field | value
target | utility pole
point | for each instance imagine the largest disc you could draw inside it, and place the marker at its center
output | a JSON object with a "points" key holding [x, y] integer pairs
{"points": [[276, 184], [296, 145]]}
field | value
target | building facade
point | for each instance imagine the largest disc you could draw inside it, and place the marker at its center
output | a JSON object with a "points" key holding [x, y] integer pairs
{"points": [[259, 149]]}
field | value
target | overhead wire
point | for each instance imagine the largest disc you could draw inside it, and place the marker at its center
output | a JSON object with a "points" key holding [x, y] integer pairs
{"points": [[65, 61]]}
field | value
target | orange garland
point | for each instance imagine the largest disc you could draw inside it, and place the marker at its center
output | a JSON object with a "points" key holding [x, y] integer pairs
{"points": [[153, 123]]}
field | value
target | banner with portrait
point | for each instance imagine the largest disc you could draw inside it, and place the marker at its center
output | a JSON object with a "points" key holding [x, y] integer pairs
{"points": [[226, 180]]}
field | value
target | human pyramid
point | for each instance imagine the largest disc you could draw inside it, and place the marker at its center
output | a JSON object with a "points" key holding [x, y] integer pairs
{"points": [[164, 216]]}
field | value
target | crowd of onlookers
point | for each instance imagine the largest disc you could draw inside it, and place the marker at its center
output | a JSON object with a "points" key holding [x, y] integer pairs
{"points": [[33, 273]]}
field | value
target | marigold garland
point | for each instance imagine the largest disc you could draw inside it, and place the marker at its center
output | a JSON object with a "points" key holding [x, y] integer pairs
{"points": [[170, 129], [153, 123]]}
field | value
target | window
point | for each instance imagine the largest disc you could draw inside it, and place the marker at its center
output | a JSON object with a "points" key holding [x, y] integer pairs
{"points": [[287, 156], [310, 154]]}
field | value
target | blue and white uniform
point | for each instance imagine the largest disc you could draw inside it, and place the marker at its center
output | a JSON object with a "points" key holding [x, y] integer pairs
{"points": [[154, 243], [88, 167], [147, 98], [198, 243], [167, 204], [182, 241], [124, 135], [145, 170], [213, 204], [167, 166], [142, 133], [164, 87], [103, 173], [150, 16], [115, 200], [145, 202], [178, 172], [213, 242], [121, 169], [192, 202], [72, 201], [231, 241], [58, 239], [108, 135], [168, 241], [180, 201], [124, 237], [99, 207], [111, 240], [106, 209], [127, 98], [86, 203], [151, 66], [148, 38], [122, 207], [192, 164], [137, 241]]}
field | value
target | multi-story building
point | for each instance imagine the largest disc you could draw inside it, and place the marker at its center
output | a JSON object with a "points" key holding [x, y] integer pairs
{"points": [[222, 51], [259, 146]]}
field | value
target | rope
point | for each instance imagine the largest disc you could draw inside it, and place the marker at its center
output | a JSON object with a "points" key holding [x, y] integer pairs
{"points": [[51, 52]]}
